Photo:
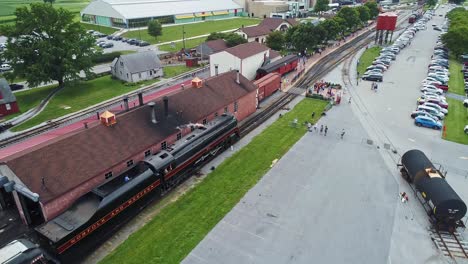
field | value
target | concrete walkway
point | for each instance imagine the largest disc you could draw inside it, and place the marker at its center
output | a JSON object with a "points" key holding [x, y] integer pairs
{"points": [[455, 96]]}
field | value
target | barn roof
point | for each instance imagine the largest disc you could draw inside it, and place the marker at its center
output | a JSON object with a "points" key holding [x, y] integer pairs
{"points": [[7, 95], [246, 50], [68, 161]]}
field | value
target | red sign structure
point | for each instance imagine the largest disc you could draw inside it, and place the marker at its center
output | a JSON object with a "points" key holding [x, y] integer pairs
{"points": [[386, 24]]}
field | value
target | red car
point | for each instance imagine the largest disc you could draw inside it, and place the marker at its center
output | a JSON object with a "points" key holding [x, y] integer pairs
{"points": [[443, 87]]}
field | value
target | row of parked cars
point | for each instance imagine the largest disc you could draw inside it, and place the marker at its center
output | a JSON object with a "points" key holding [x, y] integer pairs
{"points": [[135, 42], [388, 54], [432, 106]]}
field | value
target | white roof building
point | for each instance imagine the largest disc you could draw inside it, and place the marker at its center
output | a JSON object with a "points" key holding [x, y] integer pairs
{"points": [[121, 12]]}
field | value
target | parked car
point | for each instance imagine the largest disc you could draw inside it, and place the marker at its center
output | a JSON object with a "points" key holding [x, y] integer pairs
{"points": [[466, 129], [5, 67], [427, 122], [15, 86], [437, 107], [431, 111], [377, 66], [417, 113], [433, 100], [437, 28], [432, 89], [143, 43], [373, 77], [107, 45], [117, 38], [465, 103], [432, 94], [110, 37]]}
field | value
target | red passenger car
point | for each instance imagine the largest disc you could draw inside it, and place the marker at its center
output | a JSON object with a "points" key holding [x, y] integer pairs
{"points": [[281, 66]]}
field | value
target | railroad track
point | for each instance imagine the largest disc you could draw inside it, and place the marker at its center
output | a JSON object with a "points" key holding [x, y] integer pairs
{"points": [[74, 117], [451, 244]]}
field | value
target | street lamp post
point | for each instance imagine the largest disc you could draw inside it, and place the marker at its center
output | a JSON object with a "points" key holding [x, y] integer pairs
{"points": [[183, 36]]}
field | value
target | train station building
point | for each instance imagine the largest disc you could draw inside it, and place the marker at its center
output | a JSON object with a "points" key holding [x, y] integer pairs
{"points": [[43, 181]]}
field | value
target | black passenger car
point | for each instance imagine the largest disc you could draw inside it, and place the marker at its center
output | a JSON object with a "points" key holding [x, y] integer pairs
{"points": [[373, 77]]}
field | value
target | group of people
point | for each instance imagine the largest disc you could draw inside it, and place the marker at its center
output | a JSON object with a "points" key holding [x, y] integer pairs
{"points": [[322, 86], [404, 197]]}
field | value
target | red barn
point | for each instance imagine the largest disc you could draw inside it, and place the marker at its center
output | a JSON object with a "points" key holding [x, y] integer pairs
{"points": [[387, 21], [8, 104]]}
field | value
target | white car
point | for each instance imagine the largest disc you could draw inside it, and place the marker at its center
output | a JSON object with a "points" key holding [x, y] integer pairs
{"points": [[465, 103], [436, 106], [5, 67], [429, 93], [466, 129], [433, 89]]}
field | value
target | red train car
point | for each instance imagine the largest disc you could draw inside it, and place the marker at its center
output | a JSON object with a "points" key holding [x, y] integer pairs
{"points": [[267, 85], [281, 66]]}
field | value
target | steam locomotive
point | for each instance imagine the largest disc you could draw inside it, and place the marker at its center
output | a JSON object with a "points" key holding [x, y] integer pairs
{"points": [[99, 213], [443, 205]]}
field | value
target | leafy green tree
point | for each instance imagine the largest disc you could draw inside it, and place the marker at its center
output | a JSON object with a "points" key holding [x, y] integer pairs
{"points": [[275, 40], [46, 44], [373, 9], [49, 1], [456, 39], [304, 38], [341, 24], [431, 2], [364, 13], [215, 36], [321, 6], [233, 39], [154, 28], [332, 28], [350, 15]]}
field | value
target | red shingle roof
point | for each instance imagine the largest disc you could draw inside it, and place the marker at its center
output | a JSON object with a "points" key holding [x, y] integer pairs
{"points": [[273, 23], [256, 31], [246, 50], [70, 160], [217, 45]]}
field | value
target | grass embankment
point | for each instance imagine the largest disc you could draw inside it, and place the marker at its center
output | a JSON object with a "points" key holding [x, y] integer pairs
{"points": [[456, 82], [189, 44], [455, 121], [102, 29], [78, 96], [30, 98], [367, 58], [171, 71], [172, 33], [178, 228], [8, 7]]}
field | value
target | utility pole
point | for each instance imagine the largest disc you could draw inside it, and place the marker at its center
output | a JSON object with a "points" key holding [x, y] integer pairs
{"points": [[183, 35]]}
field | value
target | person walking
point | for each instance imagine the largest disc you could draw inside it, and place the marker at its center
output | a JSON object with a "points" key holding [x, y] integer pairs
{"points": [[309, 127], [349, 100], [315, 127], [326, 130], [313, 115], [321, 129], [342, 133]]}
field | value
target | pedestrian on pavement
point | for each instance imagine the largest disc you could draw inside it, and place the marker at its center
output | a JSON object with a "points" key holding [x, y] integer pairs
{"points": [[342, 133], [309, 127], [321, 129], [326, 130], [315, 127], [372, 86], [349, 100]]}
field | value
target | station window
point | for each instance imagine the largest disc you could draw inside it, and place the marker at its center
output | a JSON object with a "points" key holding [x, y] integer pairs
{"points": [[225, 109], [204, 121], [108, 175], [179, 136], [216, 114], [164, 145], [236, 107], [147, 153], [129, 163]]}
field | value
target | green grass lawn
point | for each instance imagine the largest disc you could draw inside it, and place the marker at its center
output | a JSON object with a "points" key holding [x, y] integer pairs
{"points": [[367, 58], [171, 71], [79, 96], [175, 32], [30, 98], [180, 226], [455, 121], [102, 29], [456, 82], [191, 43], [8, 7]]}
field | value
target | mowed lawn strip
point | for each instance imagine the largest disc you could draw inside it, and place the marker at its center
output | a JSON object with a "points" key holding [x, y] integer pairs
{"points": [[178, 228], [367, 58], [191, 30], [455, 121], [78, 96], [456, 82], [30, 98], [190, 43], [171, 71]]}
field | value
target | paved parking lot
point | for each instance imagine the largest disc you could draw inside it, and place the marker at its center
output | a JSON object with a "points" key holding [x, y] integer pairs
{"points": [[120, 46]]}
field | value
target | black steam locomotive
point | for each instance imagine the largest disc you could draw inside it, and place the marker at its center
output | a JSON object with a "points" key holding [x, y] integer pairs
{"points": [[442, 203], [96, 215]]}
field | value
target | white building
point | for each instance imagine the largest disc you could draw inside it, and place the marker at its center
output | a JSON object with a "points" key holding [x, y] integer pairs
{"points": [[246, 58], [137, 67]]}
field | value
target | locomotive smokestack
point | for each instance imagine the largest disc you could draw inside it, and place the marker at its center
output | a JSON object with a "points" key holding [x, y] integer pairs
{"points": [[140, 98], [166, 106], [238, 78], [153, 112], [125, 100]]}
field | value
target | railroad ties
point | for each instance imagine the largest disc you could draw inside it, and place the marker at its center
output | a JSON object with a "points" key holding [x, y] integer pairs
{"points": [[450, 244]]}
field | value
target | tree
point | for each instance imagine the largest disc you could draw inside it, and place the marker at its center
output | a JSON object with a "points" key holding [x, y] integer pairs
{"points": [[275, 40], [233, 39], [154, 28], [49, 1], [216, 35], [321, 6], [431, 2], [303, 38], [331, 27], [373, 9], [341, 25], [364, 13], [350, 15], [46, 44], [456, 39]]}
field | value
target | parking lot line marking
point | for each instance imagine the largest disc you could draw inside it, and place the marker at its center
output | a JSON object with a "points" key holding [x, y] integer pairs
{"points": [[464, 158]]}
